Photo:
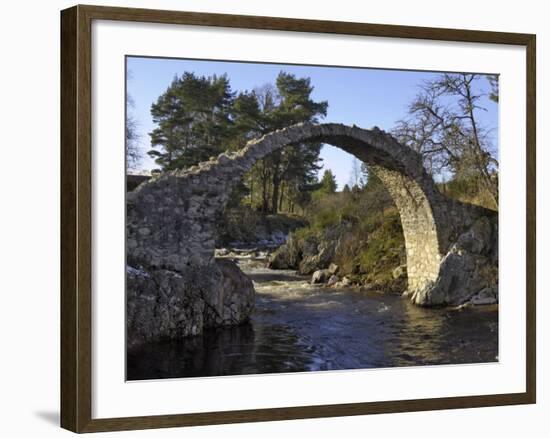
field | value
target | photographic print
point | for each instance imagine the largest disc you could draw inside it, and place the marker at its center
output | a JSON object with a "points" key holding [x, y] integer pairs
{"points": [[267, 218], [296, 218]]}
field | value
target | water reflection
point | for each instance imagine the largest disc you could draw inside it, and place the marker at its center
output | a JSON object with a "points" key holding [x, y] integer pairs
{"points": [[299, 327], [236, 350]]}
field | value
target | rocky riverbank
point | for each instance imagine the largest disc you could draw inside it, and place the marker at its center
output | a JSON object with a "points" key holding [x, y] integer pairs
{"points": [[297, 326], [167, 304], [468, 272], [343, 254], [164, 304]]}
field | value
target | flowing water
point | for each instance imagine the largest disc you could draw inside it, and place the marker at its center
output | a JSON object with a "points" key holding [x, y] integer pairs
{"points": [[301, 327]]}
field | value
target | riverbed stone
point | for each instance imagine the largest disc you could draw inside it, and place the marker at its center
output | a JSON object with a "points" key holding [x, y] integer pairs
{"points": [[320, 276], [346, 281], [333, 280]]}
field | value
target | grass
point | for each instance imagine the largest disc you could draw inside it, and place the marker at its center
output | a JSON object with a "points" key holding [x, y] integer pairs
{"points": [[469, 191], [371, 244]]}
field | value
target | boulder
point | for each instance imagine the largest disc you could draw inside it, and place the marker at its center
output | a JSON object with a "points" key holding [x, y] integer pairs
{"points": [[160, 305], [346, 281], [313, 252], [309, 265], [320, 260], [477, 240], [466, 271], [489, 295], [333, 268], [287, 256], [233, 302], [333, 280], [164, 304], [320, 276]]}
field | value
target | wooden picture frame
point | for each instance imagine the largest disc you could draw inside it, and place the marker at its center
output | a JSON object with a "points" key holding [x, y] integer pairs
{"points": [[76, 218]]}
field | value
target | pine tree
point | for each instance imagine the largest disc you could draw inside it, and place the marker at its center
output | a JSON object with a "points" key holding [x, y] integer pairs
{"points": [[286, 176], [198, 117], [328, 182], [295, 164], [192, 118]]}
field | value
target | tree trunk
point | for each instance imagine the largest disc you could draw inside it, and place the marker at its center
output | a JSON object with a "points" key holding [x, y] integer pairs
{"points": [[275, 197], [276, 185], [265, 200], [282, 196]]}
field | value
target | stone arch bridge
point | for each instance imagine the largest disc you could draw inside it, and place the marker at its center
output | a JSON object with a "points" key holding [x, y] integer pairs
{"points": [[171, 218]]}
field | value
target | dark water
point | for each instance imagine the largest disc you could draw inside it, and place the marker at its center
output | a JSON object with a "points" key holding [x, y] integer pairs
{"points": [[298, 327]]}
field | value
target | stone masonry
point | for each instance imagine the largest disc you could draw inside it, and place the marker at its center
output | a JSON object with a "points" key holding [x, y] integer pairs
{"points": [[171, 218]]}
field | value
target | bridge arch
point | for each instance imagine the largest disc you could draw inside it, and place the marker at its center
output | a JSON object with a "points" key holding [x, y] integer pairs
{"points": [[171, 219]]}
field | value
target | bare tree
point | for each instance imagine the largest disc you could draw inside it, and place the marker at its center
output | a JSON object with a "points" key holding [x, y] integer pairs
{"points": [[444, 128], [133, 155]]}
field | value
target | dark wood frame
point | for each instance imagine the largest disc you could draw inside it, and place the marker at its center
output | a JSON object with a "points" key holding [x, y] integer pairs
{"points": [[76, 173]]}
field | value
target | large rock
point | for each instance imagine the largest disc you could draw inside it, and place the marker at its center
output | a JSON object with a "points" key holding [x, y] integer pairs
{"points": [[311, 253], [163, 304], [287, 256], [468, 271], [489, 295], [159, 304], [233, 302], [320, 276], [309, 265], [334, 279]]}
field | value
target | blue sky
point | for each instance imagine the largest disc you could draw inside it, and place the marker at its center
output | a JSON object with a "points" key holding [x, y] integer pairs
{"points": [[361, 96]]}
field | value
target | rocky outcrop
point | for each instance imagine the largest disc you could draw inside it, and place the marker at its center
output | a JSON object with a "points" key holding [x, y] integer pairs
{"points": [[289, 255], [469, 270], [244, 227], [333, 280], [164, 304], [310, 253], [234, 301], [320, 276]]}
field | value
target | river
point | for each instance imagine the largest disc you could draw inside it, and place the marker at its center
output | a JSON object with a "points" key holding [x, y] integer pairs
{"points": [[301, 327]]}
